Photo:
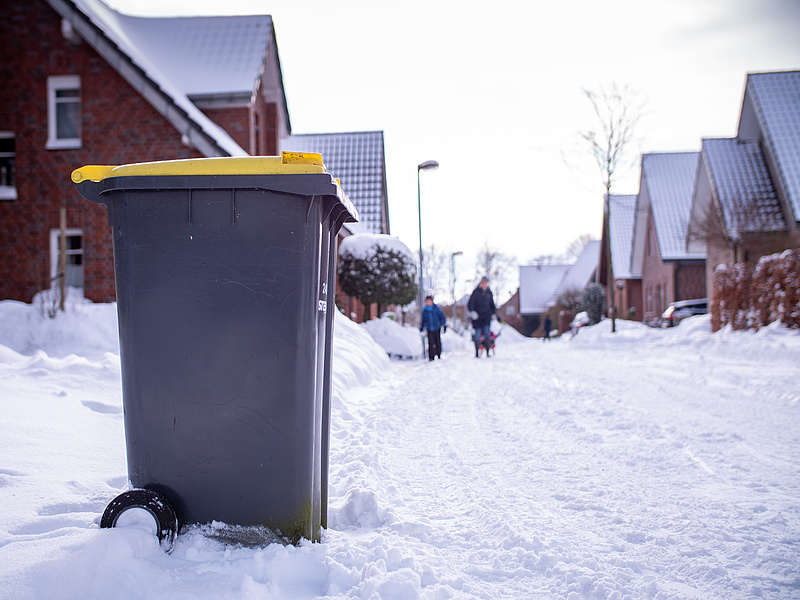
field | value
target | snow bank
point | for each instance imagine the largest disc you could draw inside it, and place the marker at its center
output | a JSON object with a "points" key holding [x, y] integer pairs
{"points": [[399, 341], [357, 358], [85, 329], [405, 342], [775, 341]]}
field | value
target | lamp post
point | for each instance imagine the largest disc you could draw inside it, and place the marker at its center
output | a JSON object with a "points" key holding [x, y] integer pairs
{"points": [[428, 165], [453, 272]]}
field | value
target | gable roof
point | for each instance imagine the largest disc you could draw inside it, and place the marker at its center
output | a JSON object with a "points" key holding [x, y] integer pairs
{"points": [[775, 100], [541, 285], [623, 210], [537, 284], [669, 179], [357, 160], [582, 271], [169, 59], [739, 175]]}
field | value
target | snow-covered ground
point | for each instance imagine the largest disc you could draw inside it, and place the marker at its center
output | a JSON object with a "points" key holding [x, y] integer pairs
{"points": [[642, 464]]}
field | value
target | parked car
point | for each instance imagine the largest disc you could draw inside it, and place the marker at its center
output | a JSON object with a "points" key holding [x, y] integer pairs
{"points": [[678, 311]]}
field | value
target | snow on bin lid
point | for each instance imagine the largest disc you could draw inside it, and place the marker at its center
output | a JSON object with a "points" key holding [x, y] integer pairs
{"points": [[286, 163]]}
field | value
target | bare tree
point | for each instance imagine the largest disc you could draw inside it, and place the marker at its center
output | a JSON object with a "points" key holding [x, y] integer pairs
{"points": [[741, 216], [576, 246], [495, 265], [569, 255], [617, 111], [570, 299], [435, 265]]}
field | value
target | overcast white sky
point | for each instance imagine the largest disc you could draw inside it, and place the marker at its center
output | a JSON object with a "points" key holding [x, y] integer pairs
{"points": [[493, 91]]}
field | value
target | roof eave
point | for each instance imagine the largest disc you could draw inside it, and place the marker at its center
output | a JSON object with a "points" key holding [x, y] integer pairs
{"points": [[273, 43], [138, 79]]}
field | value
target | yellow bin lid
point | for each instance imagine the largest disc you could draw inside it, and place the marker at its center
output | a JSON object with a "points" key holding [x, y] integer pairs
{"points": [[287, 163]]}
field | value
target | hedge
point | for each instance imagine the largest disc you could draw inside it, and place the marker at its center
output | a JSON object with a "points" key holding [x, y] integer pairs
{"points": [[750, 298]]}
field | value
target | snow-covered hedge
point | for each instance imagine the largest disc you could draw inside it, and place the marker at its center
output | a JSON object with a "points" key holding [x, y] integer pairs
{"points": [[750, 298]]}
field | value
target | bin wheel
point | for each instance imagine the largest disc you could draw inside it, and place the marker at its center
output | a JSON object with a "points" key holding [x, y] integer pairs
{"points": [[152, 502]]}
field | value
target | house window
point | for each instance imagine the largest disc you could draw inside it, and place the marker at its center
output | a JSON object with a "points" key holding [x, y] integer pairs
{"points": [[510, 310], [74, 252], [8, 186], [64, 111]]}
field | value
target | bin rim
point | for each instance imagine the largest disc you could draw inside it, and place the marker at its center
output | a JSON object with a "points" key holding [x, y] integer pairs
{"points": [[94, 181], [287, 163]]}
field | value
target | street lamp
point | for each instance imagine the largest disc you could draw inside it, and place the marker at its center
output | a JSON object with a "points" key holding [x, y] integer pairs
{"points": [[453, 272], [428, 165]]}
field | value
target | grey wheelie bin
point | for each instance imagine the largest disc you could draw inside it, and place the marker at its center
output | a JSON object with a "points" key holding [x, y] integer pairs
{"points": [[225, 275]]}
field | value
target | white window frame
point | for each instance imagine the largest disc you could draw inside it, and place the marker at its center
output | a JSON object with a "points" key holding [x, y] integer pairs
{"points": [[8, 192], [55, 235], [55, 84]]}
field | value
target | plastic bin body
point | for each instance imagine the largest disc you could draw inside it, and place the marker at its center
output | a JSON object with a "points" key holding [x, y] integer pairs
{"points": [[223, 284]]}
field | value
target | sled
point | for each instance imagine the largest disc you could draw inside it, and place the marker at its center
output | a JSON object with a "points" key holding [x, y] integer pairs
{"points": [[485, 345]]}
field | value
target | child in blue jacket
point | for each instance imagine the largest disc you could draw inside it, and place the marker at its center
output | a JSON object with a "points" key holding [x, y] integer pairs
{"points": [[433, 321]]}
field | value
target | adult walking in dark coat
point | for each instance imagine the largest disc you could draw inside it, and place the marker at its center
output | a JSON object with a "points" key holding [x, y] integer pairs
{"points": [[433, 320], [481, 307]]}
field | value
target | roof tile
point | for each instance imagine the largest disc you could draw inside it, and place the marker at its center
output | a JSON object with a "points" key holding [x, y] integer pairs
{"points": [[776, 97], [744, 188], [356, 159], [670, 178]]}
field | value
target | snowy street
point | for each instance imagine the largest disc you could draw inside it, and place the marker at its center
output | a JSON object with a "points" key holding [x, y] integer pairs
{"points": [[635, 467], [644, 464]]}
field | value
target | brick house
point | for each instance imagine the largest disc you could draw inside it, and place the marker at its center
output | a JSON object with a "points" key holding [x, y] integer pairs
{"points": [[628, 298], [669, 271], [87, 85], [540, 287], [746, 201]]}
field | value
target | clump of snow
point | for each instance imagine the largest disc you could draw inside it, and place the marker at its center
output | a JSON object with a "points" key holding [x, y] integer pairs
{"points": [[362, 245], [357, 357], [399, 341], [405, 342], [85, 329], [648, 463], [507, 334]]}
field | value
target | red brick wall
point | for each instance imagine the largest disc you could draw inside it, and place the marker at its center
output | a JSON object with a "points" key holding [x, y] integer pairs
{"points": [[118, 127], [690, 280], [628, 300], [514, 319], [234, 120], [664, 282], [657, 276]]}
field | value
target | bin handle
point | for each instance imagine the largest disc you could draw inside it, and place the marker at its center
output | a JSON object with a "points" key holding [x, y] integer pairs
{"points": [[87, 181], [91, 173]]}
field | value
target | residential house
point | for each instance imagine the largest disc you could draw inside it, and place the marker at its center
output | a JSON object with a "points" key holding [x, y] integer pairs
{"points": [[669, 271], [357, 160], [746, 201], [85, 84], [540, 287], [628, 299]]}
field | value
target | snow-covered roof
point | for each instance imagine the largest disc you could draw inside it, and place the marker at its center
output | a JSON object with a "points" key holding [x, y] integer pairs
{"points": [[669, 179], [357, 160], [169, 59], [581, 273], [775, 99], [623, 210], [537, 284], [541, 285], [740, 176]]}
